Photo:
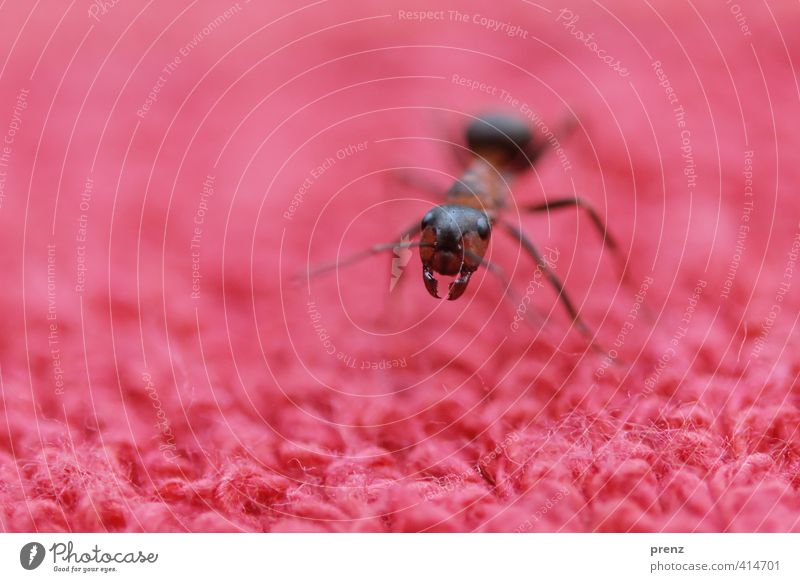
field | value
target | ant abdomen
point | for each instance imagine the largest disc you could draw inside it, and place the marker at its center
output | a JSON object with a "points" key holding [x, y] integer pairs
{"points": [[499, 132]]}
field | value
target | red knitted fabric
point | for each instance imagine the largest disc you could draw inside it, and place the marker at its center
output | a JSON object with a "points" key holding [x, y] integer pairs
{"points": [[168, 170]]}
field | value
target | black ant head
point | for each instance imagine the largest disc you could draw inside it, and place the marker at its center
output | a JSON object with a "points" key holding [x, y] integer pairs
{"points": [[454, 240]]}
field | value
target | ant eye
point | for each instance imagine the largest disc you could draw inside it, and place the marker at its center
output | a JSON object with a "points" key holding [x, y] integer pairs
{"points": [[428, 219], [483, 228]]}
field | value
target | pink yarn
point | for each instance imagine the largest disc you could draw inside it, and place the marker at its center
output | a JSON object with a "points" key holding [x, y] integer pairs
{"points": [[128, 404]]}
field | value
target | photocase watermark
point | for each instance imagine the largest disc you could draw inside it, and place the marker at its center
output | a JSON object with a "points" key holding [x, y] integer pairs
{"points": [[546, 132], [687, 152], [739, 17], [349, 360], [491, 24], [167, 447], [543, 510], [31, 555], [206, 193], [452, 481], [322, 333], [568, 20], [169, 69], [99, 8], [480, 86], [503, 95], [81, 236], [421, 15], [777, 304], [161, 81], [318, 171], [664, 82], [66, 558], [744, 226], [625, 330], [7, 147], [209, 28], [53, 334], [400, 259], [550, 258], [680, 332]]}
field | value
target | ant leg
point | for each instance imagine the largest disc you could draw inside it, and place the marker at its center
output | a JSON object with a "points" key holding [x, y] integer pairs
{"points": [[508, 290], [402, 242], [552, 277], [399, 259], [531, 311], [578, 202], [355, 257], [532, 315]]}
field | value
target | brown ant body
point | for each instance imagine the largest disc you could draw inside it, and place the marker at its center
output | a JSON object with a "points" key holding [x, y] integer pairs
{"points": [[454, 236]]}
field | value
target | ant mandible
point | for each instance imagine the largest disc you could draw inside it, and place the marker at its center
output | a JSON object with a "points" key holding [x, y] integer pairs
{"points": [[454, 236]]}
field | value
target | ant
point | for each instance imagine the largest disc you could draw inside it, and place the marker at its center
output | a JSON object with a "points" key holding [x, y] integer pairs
{"points": [[454, 236]]}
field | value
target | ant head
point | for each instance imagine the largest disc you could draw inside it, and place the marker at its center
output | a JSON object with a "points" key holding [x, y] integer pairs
{"points": [[454, 239]]}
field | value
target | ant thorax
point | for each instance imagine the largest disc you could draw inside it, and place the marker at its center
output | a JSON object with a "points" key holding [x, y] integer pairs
{"points": [[482, 186]]}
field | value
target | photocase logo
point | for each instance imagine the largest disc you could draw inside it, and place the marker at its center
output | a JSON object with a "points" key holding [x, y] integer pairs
{"points": [[402, 255], [31, 555]]}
